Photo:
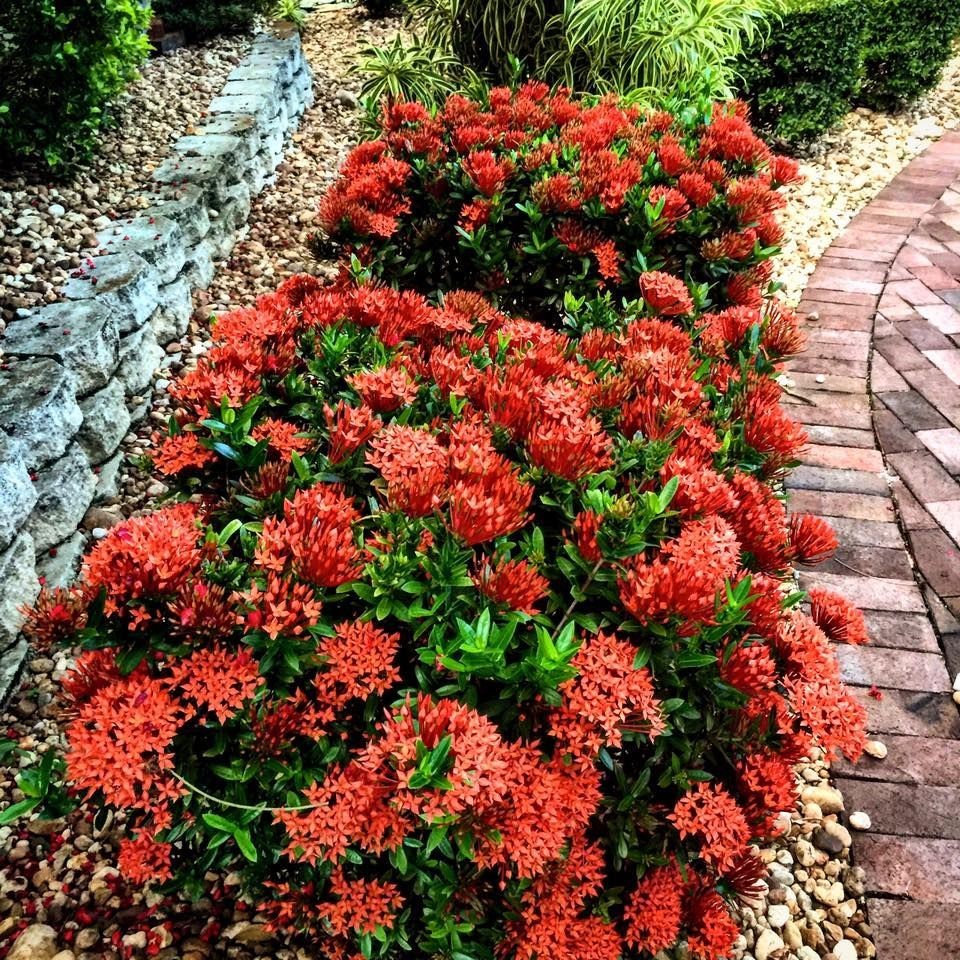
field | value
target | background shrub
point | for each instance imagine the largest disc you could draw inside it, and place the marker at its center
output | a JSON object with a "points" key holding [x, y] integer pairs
{"points": [[61, 65], [907, 43], [650, 48], [802, 78], [201, 19]]}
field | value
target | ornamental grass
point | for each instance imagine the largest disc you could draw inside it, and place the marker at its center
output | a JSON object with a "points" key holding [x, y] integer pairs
{"points": [[472, 634]]}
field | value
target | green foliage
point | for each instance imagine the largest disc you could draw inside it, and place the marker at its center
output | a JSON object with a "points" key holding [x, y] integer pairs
{"points": [[803, 78], [201, 19], [645, 47], [289, 10], [411, 71], [907, 44], [61, 64], [41, 784], [824, 56]]}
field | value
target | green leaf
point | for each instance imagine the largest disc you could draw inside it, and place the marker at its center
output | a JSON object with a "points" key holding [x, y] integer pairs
{"points": [[19, 809], [218, 823], [246, 845]]}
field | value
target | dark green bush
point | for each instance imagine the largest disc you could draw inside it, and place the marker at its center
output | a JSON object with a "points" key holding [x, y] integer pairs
{"points": [[200, 19], [803, 79], [61, 62], [907, 44]]}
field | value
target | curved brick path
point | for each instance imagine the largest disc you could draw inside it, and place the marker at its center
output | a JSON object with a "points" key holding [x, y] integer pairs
{"points": [[879, 390]]}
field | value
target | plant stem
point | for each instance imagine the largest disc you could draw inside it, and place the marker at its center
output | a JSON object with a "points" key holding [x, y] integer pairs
{"points": [[193, 788]]}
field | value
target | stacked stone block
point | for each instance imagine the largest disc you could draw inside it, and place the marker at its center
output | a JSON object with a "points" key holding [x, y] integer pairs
{"points": [[75, 374]]}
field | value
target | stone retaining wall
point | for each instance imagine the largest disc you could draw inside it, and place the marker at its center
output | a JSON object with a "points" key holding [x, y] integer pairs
{"points": [[76, 374]]}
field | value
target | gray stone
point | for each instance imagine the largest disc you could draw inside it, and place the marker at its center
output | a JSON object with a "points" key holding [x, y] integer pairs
{"points": [[18, 586], [108, 476], [262, 109], [158, 240], [125, 283], [303, 84], [283, 70], [233, 150], [263, 87], [185, 205], [256, 171], [346, 99], [17, 491], [11, 660], [271, 146], [172, 317], [232, 216], [233, 125], [208, 173], [38, 408], [64, 490], [279, 48], [140, 357], [60, 568], [293, 105], [199, 269], [82, 335], [105, 422]]}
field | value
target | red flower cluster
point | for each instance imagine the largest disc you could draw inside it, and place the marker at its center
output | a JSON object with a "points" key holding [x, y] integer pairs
{"points": [[599, 179]]}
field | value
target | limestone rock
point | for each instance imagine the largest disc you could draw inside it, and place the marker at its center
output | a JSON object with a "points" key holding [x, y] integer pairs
{"points": [[81, 335], [64, 491], [61, 569], [108, 474], [17, 492], [185, 205], [207, 173], [262, 108], [38, 408], [125, 284], [172, 317], [158, 240], [18, 586], [140, 357], [105, 422], [198, 270]]}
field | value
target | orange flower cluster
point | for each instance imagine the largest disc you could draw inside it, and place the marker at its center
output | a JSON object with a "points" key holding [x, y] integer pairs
{"points": [[482, 624]]}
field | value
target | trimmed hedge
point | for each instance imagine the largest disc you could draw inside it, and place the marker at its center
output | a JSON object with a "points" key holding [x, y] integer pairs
{"points": [[201, 19], [61, 64], [804, 78], [828, 55], [908, 42]]}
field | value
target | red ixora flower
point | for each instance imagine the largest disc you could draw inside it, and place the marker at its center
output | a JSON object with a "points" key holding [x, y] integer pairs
{"points": [[515, 583], [665, 294], [837, 617]]}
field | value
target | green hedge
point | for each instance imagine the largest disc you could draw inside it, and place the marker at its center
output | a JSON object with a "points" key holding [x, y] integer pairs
{"points": [[61, 62], [200, 19], [803, 79], [908, 42], [825, 56]]}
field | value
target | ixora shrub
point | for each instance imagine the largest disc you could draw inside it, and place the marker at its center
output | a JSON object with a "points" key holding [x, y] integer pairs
{"points": [[803, 78], [534, 195], [476, 639], [61, 64]]}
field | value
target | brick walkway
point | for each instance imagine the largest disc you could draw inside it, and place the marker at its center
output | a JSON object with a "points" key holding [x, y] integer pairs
{"points": [[879, 390]]}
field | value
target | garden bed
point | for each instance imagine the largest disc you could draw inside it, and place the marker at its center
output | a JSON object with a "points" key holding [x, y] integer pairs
{"points": [[65, 880]]}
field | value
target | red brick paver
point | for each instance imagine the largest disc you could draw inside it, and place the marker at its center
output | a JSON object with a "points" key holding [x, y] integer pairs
{"points": [[879, 394]]}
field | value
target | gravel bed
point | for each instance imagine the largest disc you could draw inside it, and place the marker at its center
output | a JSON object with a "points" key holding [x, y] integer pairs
{"points": [[45, 226], [847, 168]]}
